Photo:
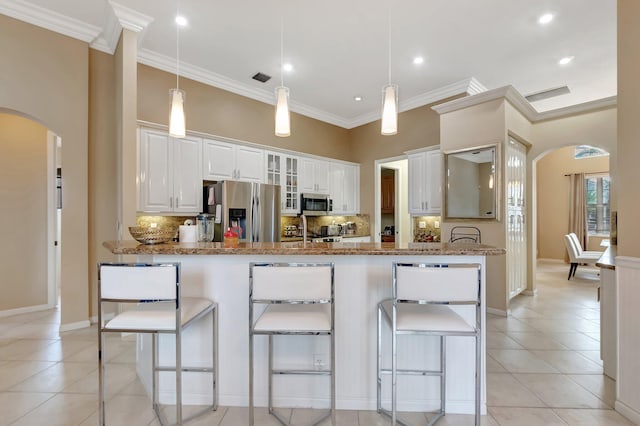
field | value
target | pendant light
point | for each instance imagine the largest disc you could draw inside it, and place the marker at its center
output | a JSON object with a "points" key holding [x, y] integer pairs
{"points": [[389, 122], [283, 125], [177, 126]]}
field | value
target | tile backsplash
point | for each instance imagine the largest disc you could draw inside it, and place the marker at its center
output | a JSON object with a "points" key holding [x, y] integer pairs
{"points": [[431, 228], [315, 222]]}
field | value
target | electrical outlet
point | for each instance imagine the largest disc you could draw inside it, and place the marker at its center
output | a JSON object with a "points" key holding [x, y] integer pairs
{"points": [[436, 224], [319, 361], [422, 224]]}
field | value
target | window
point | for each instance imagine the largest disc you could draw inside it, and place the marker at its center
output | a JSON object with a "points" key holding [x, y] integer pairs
{"points": [[597, 198], [586, 151]]}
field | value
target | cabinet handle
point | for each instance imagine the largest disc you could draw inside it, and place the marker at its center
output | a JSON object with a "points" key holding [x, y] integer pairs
{"points": [[426, 205], [177, 202], [171, 202]]}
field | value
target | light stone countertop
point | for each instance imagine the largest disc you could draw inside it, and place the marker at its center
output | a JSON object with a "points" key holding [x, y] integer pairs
{"points": [[301, 248]]}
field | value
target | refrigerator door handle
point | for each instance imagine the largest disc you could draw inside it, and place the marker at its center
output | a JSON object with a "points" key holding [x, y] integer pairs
{"points": [[255, 216]]}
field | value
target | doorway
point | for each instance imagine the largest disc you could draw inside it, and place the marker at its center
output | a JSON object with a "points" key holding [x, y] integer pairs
{"points": [[30, 264], [392, 220]]}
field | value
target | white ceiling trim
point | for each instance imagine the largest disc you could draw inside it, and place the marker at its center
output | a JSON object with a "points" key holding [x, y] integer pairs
{"points": [[50, 20], [201, 75], [468, 85], [130, 19], [523, 105]]}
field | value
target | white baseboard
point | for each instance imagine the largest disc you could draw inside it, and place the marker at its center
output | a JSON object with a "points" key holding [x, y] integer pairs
{"points": [[529, 292], [495, 311], [551, 260], [25, 310], [628, 412], [94, 319], [75, 325]]}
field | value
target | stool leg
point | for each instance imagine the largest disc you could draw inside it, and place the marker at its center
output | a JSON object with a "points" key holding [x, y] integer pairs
{"points": [[478, 373], [101, 374], [250, 373], [379, 362], [270, 378], [443, 377], [214, 357], [178, 377], [333, 377], [394, 366], [154, 375]]}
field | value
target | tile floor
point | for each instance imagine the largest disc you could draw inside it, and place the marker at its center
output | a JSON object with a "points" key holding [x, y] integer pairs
{"points": [[543, 368]]}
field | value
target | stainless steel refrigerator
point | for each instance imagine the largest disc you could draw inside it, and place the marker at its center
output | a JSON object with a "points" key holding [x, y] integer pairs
{"points": [[253, 208]]}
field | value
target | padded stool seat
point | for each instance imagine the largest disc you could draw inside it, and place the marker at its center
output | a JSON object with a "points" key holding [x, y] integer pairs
{"points": [[159, 316], [435, 318], [292, 318]]}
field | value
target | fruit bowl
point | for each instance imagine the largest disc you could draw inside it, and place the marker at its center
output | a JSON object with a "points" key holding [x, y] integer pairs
{"points": [[146, 235]]}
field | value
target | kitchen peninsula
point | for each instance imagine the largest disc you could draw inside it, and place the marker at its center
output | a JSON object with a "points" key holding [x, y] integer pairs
{"points": [[362, 279]]}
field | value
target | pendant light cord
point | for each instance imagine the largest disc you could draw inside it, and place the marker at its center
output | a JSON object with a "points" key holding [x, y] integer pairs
{"points": [[282, 51], [389, 39], [177, 47]]}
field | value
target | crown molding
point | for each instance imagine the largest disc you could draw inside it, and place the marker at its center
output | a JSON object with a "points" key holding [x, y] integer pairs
{"points": [[45, 18], [468, 85], [108, 40], [168, 64], [519, 102], [130, 19], [598, 104]]}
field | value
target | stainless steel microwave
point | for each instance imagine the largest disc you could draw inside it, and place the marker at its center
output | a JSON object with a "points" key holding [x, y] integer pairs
{"points": [[315, 204]]}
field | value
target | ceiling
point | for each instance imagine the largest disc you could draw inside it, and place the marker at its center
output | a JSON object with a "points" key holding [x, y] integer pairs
{"points": [[339, 49]]}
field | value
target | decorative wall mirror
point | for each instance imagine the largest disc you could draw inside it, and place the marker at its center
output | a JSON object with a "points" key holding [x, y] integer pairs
{"points": [[471, 184]]}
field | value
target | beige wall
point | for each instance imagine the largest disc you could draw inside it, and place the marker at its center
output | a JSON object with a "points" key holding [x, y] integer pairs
{"points": [[46, 79], [218, 112], [103, 204], [628, 170], [553, 197], [23, 192], [417, 128], [471, 127]]}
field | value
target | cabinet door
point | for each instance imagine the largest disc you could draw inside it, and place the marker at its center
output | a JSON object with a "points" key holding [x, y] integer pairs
{"points": [[274, 169], [387, 195], [416, 183], [249, 164], [187, 175], [434, 173], [322, 177], [307, 175], [218, 160], [155, 172], [337, 188], [291, 192], [351, 197]]}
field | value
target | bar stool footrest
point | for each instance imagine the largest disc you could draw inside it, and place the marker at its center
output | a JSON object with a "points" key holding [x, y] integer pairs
{"points": [[302, 372]]}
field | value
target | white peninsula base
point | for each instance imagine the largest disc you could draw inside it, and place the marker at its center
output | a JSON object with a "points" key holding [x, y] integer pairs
{"points": [[360, 283]]}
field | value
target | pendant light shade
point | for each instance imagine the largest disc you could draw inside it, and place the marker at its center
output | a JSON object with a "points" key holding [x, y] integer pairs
{"points": [[176, 119], [283, 128], [390, 110]]}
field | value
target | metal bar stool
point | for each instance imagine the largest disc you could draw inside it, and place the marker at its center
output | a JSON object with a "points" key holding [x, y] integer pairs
{"points": [[297, 299], [422, 294], [155, 287]]}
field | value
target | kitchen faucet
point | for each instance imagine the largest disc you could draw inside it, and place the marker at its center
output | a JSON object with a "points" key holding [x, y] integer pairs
{"points": [[303, 219]]}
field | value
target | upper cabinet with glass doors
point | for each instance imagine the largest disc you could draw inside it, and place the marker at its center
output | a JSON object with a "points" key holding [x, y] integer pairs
{"points": [[282, 169]]}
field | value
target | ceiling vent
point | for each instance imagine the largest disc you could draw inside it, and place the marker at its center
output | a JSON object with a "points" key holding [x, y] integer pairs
{"points": [[549, 93], [262, 78]]}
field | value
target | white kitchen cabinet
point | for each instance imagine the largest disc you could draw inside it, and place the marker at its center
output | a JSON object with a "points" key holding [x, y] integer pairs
{"points": [[314, 176], [169, 173], [344, 188], [425, 190], [227, 161], [282, 169]]}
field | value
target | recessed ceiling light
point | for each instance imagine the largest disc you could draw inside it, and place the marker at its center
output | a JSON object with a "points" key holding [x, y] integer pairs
{"points": [[566, 60], [182, 21], [287, 67], [357, 98], [545, 19], [418, 60]]}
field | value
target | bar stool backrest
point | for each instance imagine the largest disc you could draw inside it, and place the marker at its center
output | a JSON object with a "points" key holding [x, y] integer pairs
{"points": [[287, 282], [436, 283], [137, 282]]}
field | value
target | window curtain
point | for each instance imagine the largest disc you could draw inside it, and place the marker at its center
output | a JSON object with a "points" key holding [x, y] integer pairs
{"points": [[577, 209]]}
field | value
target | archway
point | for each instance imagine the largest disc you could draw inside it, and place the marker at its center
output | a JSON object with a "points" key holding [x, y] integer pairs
{"points": [[30, 257]]}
